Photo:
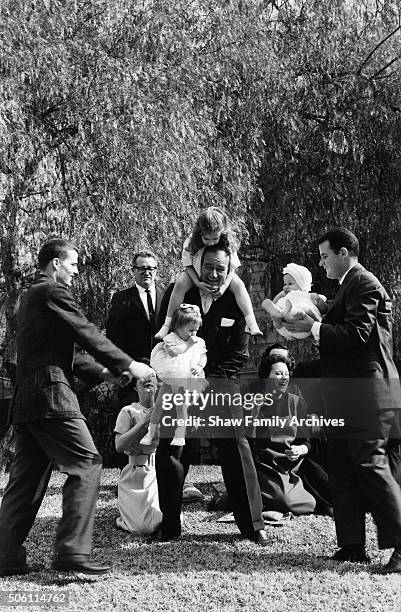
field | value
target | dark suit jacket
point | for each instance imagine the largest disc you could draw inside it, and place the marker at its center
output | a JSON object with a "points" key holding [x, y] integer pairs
{"points": [[356, 340], [49, 325], [227, 346], [128, 324]]}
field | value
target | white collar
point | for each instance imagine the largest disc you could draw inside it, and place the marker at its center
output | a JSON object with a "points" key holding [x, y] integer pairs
{"points": [[341, 280], [142, 290]]}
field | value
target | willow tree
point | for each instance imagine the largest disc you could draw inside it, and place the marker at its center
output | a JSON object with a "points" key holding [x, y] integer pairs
{"points": [[333, 134], [120, 121]]}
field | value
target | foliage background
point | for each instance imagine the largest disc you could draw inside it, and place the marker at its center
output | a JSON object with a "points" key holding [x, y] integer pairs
{"points": [[121, 119]]}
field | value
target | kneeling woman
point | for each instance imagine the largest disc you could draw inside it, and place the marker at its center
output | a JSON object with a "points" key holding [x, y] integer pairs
{"points": [[138, 500], [279, 444]]}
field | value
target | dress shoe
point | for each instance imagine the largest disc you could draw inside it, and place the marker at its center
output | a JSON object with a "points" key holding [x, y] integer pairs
{"points": [[79, 564], [18, 570], [259, 537], [165, 537], [394, 565], [353, 553]]}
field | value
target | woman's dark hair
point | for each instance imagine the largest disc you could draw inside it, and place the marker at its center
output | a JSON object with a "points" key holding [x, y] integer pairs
{"points": [[282, 347], [267, 363]]}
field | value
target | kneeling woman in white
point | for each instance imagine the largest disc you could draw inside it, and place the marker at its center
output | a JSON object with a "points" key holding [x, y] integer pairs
{"points": [[138, 500]]}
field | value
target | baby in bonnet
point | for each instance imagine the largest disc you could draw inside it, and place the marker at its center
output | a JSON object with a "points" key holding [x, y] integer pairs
{"points": [[295, 300]]}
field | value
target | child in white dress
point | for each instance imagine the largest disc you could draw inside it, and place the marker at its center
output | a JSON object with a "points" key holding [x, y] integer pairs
{"points": [[211, 227], [138, 500], [294, 300], [178, 361]]}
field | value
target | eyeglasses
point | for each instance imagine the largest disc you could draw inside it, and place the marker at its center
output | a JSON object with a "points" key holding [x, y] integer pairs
{"points": [[146, 268]]}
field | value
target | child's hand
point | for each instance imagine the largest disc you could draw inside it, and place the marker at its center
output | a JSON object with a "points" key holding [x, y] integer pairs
{"points": [[205, 288], [220, 291], [279, 296], [196, 370]]}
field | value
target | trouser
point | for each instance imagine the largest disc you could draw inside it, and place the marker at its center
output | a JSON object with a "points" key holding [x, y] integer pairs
{"points": [[41, 445], [361, 480], [239, 476]]}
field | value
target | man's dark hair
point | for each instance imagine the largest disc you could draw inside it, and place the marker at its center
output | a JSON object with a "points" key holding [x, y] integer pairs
{"points": [[214, 248], [57, 247], [143, 254], [341, 237]]}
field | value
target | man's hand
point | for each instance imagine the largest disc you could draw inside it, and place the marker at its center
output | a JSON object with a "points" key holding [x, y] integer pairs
{"points": [[302, 324], [296, 451], [124, 379], [139, 370], [319, 302], [196, 370]]}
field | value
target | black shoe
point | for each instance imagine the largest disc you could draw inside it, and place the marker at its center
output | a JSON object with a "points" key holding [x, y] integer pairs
{"points": [[168, 537], [259, 537], [353, 553], [394, 565], [80, 564], [18, 570]]}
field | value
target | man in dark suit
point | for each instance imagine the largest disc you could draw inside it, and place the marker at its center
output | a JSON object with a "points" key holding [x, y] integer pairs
{"points": [[132, 316], [223, 329], [50, 428], [355, 343]]}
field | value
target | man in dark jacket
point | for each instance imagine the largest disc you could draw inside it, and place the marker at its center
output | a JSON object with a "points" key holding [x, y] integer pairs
{"points": [[361, 381], [131, 324], [50, 428], [223, 329]]}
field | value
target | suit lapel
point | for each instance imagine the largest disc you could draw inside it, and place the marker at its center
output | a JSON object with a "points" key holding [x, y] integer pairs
{"points": [[137, 302], [159, 295]]}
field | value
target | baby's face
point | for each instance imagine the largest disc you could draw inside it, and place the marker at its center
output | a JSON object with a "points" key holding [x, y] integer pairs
{"points": [[289, 284]]}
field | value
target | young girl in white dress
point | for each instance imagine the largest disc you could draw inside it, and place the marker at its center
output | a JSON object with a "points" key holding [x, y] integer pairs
{"points": [[138, 500], [294, 299], [178, 361], [211, 227]]}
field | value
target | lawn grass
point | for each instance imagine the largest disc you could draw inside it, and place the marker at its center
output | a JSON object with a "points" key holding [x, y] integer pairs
{"points": [[210, 568]]}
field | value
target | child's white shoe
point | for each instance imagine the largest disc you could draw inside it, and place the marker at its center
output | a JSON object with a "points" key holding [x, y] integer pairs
{"points": [[253, 329], [177, 442], [251, 326], [147, 440]]}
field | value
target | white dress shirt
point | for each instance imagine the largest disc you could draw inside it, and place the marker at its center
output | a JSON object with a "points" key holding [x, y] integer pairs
{"points": [[144, 299], [206, 301]]}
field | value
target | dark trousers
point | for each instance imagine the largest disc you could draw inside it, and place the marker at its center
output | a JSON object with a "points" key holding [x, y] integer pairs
{"points": [[40, 446], [239, 476], [361, 480]]}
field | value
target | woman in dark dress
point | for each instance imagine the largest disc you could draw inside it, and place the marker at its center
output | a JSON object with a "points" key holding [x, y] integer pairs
{"points": [[280, 442]]}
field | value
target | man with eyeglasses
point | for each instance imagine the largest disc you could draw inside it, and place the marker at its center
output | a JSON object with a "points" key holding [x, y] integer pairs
{"points": [[131, 322]]}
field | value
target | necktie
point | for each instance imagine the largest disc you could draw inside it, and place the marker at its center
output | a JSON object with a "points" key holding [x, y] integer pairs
{"points": [[151, 311]]}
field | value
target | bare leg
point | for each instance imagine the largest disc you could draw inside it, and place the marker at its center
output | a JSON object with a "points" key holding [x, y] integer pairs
{"points": [[243, 300], [182, 285]]}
